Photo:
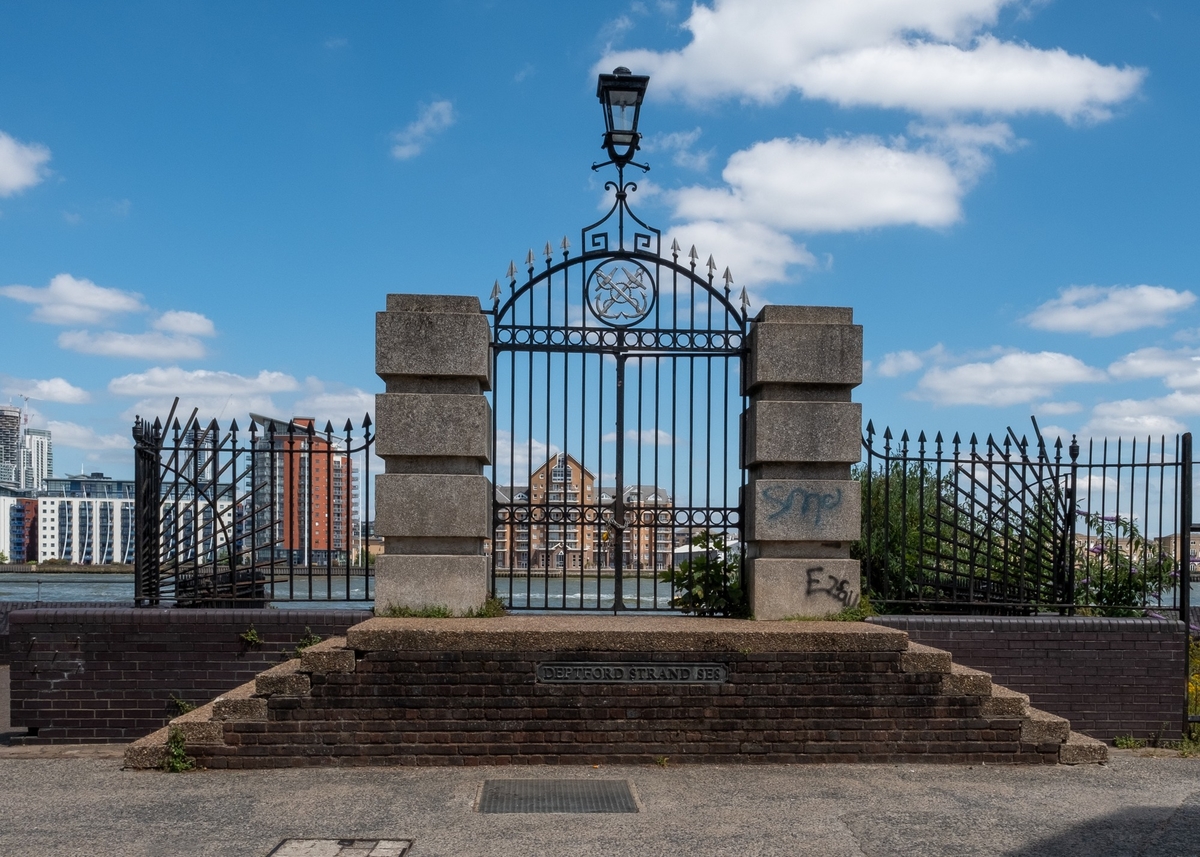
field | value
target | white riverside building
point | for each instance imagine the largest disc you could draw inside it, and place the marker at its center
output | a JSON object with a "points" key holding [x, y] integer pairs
{"points": [[86, 519]]}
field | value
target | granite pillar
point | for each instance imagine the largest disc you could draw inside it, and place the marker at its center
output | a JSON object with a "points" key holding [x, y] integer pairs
{"points": [[802, 435], [433, 503]]}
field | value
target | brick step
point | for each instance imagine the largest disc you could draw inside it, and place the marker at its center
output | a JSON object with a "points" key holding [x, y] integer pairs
{"points": [[278, 698], [205, 726]]}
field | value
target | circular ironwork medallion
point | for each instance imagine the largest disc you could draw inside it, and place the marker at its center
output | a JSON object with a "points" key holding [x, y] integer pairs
{"points": [[621, 292]]}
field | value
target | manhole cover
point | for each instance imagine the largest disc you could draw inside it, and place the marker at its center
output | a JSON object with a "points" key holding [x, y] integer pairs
{"points": [[342, 848], [556, 796]]}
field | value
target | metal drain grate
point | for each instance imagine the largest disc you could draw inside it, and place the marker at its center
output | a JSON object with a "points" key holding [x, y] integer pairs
{"points": [[341, 848], [556, 796]]}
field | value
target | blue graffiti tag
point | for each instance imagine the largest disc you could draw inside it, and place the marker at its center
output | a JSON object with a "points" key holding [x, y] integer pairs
{"points": [[811, 503]]}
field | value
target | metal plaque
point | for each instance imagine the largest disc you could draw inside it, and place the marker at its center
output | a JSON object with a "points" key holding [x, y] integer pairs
{"points": [[631, 673]]}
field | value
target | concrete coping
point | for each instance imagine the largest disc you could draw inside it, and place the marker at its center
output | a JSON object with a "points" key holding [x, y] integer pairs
{"points": [[620, 634]]}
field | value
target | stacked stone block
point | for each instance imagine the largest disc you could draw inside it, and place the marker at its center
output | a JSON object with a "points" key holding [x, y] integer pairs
{"points": [[802, 435], [433, 503]]}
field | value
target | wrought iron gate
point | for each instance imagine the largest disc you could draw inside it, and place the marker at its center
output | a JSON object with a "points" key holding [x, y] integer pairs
{"points": [[272, 514], [616, 410]]}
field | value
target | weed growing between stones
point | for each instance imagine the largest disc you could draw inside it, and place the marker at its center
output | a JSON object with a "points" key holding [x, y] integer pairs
{"points": [[857, 613], [182, 704], [177, 759], [1128, 742], [250, 637], [309, 639], [491, 609]]}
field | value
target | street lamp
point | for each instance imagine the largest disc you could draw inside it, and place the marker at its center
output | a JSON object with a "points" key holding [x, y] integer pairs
{"points": [[621, 95]]}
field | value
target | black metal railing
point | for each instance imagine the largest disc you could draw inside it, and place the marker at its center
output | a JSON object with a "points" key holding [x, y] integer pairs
{"points": [[1017, 527], [277, 513]]}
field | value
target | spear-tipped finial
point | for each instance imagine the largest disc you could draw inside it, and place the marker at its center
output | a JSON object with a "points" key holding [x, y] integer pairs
{"points": [[745, 301], [549, 251], [529, 257], [495, 297], [348, 427], [712, 264], [512, 269], [728, 277], [328, 427], [565, 245], [693, 255], [675, 248]]}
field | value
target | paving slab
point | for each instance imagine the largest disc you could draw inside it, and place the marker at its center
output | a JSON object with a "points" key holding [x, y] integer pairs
{"points": [[1134, 805]]}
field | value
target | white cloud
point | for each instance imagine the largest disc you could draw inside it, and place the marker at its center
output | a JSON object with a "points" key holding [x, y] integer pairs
{"points": [[931, 57], [85, 437], [1176, 368], [1059, 408], [754, 253], [1140, 416], [185, 323], [1011, 379], [334, 402], [46, 390], [837, 185], [67, 300], [144, 346], [431, 121], [899, 363], [216, 394], [22, 165], [519, 457], [1104, 311], [680, 144]]}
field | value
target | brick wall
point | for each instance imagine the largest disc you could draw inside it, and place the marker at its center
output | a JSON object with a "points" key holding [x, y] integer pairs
{"points": [[472, 708], [7, 607], [108, 674], [1109, 677]]}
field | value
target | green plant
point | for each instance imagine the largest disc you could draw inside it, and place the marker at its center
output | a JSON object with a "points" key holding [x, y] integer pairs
{"points": [[1193, 688], [1119, 570], [857, 613], [710, 582], [661, 761], [177, 759], [1128, 742], [396, 611], [250, 637], [309, 639], [182, 704], [493, 608]]}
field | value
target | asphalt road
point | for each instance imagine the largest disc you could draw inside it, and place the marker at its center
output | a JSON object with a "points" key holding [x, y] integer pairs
{"points": [[76, 801]]}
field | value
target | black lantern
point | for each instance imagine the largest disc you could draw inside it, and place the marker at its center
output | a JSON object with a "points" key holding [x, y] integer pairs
{"points": [[621, 95]]}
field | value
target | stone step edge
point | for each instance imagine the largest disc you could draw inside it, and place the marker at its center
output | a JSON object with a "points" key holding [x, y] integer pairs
{"points": [[1081, 749]]}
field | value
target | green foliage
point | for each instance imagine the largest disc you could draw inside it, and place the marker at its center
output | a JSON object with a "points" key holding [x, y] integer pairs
{"points": [[309, 639], [396, 611], [492, 608], [662, 761], [250, 637], [182, 704], [3, 558], [1121, 570], [709, 583], [858, 613], [177, 759], [1128, 742]]}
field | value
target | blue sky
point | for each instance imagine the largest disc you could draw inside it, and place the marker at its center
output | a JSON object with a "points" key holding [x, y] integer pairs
{"points": [[212, 200]]}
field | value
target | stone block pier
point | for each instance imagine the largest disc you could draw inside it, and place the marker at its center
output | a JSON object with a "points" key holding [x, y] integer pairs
{"points": [[607, 690]]}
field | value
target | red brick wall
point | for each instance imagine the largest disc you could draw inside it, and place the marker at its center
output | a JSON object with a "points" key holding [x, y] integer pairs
{"points": [[108, 674], [1109, 677]]}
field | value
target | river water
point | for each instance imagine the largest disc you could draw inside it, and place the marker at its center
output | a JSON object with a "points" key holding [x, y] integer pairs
{"points": [[546, 595]]}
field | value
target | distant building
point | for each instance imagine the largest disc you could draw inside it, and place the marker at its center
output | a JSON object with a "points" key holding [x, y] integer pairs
{"points": [[86, 519], [11, 457], [37, 465], [309, 487], [555, 522]]}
